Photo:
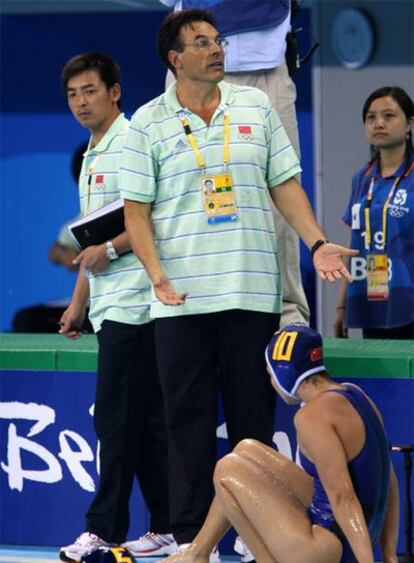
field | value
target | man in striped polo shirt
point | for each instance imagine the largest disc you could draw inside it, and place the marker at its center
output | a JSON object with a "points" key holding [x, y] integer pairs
{"points": [[255, 56], [211, 254], [128, 414]]}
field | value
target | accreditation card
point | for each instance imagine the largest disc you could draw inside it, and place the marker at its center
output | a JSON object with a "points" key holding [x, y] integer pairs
{"points": [[219, 198], [377, 277]]}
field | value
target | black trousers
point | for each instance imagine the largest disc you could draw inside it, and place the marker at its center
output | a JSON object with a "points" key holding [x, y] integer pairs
{"points": [[43, 318], [198, 355], [130, 425], [405, 332]]}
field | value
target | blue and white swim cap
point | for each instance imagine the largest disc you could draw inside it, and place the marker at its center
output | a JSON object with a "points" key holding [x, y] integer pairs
{"points": [[293, 354]]}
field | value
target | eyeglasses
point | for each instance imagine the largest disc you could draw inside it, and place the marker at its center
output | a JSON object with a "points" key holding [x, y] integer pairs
{"points": [[204, 43]]}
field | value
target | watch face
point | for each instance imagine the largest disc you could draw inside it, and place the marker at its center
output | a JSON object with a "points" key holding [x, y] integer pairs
{"points": [[111, 253], [353, 38]]}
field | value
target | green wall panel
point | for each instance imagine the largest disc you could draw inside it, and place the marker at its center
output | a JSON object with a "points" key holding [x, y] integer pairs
{"points": [[356, 358]]}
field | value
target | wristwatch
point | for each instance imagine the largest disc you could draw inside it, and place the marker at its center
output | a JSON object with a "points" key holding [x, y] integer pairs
{"points": [[320, 242], [111, 253]]}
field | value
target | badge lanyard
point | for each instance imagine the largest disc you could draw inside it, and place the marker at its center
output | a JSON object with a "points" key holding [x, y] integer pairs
{"points": [[217, 189], [367, 210], [193, 143]]}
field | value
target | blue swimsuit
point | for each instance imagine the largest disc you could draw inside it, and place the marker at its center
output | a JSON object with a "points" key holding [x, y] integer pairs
{"points": [[370, 474]]}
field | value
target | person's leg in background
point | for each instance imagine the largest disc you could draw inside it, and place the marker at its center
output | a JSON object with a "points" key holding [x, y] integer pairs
{"points": [[281, 89]]}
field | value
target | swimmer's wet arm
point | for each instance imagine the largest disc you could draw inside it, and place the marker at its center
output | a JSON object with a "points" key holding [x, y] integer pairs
{"points": [[320, 441], [389, 535]]}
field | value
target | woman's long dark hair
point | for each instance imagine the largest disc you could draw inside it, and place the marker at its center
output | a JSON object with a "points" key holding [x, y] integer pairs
{"points": [[406, 104]]}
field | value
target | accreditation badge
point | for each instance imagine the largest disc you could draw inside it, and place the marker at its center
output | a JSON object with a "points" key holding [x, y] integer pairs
{"points": [[219, 198], [377, 277]]}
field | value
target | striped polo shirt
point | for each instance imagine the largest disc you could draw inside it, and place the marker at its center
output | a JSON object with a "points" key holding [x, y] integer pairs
{"points": [[223, 266], [122, 292]]}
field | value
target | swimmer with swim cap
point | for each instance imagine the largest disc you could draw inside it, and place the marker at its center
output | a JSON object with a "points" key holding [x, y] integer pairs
{"points": [[340, 504]]}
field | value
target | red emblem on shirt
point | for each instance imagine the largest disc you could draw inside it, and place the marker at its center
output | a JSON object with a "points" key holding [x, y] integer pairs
{"points": [[245, 133], [99, 179], [245, 130]]}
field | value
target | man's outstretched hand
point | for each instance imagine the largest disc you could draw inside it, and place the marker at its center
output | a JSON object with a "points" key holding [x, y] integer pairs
{"points": [[328, 262]]}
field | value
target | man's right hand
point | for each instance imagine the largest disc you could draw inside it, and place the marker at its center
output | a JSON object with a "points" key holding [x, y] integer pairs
{"points": [[165, 291], [71, 321]]}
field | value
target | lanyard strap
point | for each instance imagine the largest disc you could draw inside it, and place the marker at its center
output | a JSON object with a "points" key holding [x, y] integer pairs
{"points": [[193, 143], [384, 210], [90, 174], [226, 148]]}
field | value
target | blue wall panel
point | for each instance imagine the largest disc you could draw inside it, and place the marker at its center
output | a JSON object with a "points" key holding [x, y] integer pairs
{"points": [[39, 135], [48, 471]]}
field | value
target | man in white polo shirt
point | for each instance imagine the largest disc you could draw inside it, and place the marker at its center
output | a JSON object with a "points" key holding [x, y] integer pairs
{"points": [[128, 413], [211, 256]]}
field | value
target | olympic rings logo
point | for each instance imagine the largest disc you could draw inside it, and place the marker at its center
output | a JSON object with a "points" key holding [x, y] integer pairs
{"points": [[396, 212]]}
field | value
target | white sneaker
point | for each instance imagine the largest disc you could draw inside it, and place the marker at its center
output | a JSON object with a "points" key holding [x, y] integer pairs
{"points": [[214, 555], [85, 542], [151, 544], [241, 548]]}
